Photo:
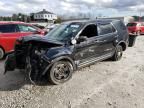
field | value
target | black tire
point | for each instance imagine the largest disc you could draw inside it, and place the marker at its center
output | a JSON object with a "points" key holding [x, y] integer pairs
{"points": [[58, 74], [2, 53], [132, 40], [118, 53]]}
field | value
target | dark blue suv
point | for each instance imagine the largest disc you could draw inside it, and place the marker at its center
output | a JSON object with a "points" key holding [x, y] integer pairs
{"points": [[67, 47]]}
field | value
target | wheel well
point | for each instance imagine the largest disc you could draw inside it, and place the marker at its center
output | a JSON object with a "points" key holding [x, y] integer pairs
{"points": [[65, 59], [123, 45], [61, 59]]}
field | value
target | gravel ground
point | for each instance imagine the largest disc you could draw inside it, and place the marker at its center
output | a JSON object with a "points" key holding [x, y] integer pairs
{"points": [[103, 85]]}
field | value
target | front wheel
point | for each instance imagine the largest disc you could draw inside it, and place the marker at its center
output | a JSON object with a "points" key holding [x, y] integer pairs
{"points": [[1, 53], [60, 72], [118, 53]]}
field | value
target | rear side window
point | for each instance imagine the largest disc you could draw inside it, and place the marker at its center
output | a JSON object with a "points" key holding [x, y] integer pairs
{"points": [[9, 28], [105, 29]]}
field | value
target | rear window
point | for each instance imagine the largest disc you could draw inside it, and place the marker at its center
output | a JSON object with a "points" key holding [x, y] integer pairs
{"points": [[131, 24], [9, 28]]}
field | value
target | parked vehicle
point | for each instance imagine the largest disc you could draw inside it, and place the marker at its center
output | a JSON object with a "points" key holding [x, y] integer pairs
{"points": [[67, 47], [10, 31], [136, 28]]}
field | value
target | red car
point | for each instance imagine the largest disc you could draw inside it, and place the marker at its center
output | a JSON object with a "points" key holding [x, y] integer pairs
{"points": [[136, 28], [10, 31]]}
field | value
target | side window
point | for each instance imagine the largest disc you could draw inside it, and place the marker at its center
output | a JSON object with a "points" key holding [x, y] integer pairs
{"points": [[25, 28], [90, 31], [8, 28], [106, 29]]}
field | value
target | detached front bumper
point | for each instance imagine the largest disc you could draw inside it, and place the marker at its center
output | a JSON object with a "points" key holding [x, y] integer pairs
{"points": [[40, 65], [10, 63]]}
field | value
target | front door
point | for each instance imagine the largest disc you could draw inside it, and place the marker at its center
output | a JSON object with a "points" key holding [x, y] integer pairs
{"points": [[107, 37], [87, 51]]}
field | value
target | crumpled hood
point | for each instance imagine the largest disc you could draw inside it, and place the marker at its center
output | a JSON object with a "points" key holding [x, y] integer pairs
{"points": [[39, 38]]}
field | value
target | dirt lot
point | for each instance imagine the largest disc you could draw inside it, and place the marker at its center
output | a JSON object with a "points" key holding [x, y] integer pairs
{"points": [[103, 85]]}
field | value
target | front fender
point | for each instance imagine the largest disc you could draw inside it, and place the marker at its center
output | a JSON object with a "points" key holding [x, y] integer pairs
{"points": [[56, 52]]}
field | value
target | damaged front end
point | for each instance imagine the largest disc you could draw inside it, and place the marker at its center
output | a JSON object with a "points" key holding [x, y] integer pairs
{"points": [[30, 55]]}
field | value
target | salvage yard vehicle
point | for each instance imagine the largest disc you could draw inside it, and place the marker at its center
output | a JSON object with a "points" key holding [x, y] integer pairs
{"points": [[68, 47], [136, 28], [10, 31]]}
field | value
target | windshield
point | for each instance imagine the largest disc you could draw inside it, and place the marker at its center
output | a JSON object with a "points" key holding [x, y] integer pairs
{"points": [[64, 32]]}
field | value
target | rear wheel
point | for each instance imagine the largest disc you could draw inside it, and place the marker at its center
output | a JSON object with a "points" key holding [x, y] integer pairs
{"points": [[60, 72], [1, 53], [118, 53]]}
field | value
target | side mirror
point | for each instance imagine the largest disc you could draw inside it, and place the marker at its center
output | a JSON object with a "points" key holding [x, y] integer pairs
{"points": [[73, 41], [82, 38]]}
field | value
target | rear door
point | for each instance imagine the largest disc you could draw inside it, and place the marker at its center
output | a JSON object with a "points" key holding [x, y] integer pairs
{"points": [[106, 37], [9, 34]]}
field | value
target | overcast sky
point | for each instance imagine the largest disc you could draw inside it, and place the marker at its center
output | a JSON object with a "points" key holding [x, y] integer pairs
{"points": [[104, 7]]}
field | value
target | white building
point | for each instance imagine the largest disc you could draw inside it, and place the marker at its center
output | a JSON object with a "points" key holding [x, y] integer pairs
{"points": [[45, 16]]}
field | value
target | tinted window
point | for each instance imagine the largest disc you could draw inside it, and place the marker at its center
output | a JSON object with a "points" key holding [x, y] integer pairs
{"points": [[25, 28], [105, 29], [10, 28], [90, 31]]}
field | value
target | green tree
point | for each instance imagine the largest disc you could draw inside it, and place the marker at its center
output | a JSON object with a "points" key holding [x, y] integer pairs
{"points": [[136, 18], [58, 20]]}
